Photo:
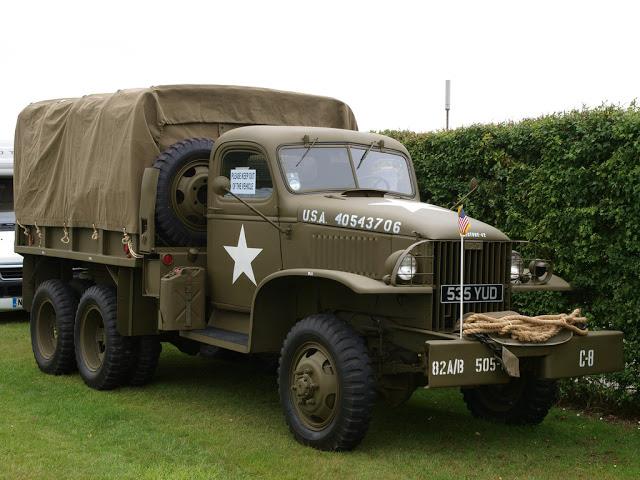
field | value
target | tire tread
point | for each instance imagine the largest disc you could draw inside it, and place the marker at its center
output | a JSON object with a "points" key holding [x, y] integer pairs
{"points": [[531, 408], [117, 360], [145, 358], [170, 229], [358, 395], [64, 302]]}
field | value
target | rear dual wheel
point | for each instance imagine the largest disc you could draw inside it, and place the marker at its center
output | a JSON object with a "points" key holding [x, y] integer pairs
{"points": [[105, 358], [144, 360], [65, 333], [51, 322], [102, 354]]}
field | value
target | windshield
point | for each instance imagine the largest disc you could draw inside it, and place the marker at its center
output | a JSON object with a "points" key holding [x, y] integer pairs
{"points": [[308, 169]]}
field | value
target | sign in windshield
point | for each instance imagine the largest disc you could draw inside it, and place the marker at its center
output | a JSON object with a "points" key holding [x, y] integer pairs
{"points": [[309, 169]]}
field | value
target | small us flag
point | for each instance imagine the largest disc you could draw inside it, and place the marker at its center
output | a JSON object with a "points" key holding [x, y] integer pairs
{"points": [[463, 222]]}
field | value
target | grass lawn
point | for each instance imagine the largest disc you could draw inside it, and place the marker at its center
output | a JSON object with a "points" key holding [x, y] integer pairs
{"points": [[212, 419]]}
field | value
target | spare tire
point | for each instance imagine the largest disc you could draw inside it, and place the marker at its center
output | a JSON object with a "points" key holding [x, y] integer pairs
{"points": [[181, 198]]}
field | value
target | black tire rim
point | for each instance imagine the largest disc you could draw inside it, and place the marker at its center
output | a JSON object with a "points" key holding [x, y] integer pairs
{"points": [[189, 194], [93, 342], [314, 386], [46, 330]]}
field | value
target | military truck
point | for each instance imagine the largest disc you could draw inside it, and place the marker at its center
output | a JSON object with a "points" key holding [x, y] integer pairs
{"points": [[262, 222]]}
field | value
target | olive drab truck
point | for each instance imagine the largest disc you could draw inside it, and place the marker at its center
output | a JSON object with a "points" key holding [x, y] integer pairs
{"points": [[262, 222]]}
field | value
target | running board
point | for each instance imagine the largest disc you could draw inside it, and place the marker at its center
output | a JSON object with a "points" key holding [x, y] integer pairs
{"points": [[236, 341]]}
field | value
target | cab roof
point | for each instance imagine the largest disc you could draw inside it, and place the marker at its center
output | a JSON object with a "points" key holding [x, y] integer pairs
{"points": [[271, 137]]}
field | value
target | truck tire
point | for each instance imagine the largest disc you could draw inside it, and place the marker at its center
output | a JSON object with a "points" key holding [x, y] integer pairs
{"points": [[326, 383], [51, 323], [522, 401], [144, 360], [102, 354], [79, 286], [181, 197], [396, 390]]}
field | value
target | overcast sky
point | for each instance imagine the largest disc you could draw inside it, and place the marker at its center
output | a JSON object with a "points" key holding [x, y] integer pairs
{"points": [[388, 60]]}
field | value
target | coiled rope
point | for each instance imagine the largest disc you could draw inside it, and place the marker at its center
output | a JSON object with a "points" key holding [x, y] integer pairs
{"points": [[526, 329], [65, 238], [126, 240], [26, 232]]}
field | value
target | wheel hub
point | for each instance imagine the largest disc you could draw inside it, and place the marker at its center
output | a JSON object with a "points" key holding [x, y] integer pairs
{"points": [[304, 387], [314, 386], [189, 196], [93, 339], [47, 332]]}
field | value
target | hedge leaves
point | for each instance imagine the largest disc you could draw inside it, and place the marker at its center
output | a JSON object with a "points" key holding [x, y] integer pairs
{"points": [[571, 183]]}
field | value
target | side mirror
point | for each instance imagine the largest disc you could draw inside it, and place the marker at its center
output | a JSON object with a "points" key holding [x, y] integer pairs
{"points": [[473, 186], [221, 185]]}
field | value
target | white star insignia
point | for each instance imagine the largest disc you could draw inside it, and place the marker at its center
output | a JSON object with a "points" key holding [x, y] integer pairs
{"points": [[411, 206], [243, 256]]}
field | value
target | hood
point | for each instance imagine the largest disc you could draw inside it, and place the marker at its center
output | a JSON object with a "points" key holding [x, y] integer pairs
{"points": [[7, 255], [390, 215]]}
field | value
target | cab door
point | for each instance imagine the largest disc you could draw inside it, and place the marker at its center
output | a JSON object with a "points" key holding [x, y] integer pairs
{"points": [[242, 247]]}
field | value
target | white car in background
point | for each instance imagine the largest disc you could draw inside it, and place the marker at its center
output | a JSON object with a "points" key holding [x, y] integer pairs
{"points": [[10, 262]]}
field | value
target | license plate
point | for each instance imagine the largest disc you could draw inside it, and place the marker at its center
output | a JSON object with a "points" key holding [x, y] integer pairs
{"points": [[11, 303], [472, 293]]}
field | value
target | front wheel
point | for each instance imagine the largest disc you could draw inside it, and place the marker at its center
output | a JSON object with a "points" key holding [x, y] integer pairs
{"points": [[522, 401], [326, 383]]}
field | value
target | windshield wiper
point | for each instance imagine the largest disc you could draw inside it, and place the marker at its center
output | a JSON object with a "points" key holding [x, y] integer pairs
{"points": [[305, 152], [365, 154], [364, 192]]}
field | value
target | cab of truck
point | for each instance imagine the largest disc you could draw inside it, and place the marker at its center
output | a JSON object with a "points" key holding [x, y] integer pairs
{"points": [[10, 262]]}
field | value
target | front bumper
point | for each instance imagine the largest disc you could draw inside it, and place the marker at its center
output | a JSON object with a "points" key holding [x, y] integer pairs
{"points": [[454, 363]]}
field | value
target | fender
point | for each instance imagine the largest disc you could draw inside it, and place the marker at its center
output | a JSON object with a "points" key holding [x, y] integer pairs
{"points": [[301, 291], [555, 284], [357, 283]]}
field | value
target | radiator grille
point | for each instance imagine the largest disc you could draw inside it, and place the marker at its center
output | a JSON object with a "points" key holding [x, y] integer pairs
{"points": [[11, 273], [489, 262], [349, 253]]}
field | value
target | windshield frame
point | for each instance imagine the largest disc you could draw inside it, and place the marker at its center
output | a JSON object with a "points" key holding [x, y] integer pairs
{"points": [[348, 145]]}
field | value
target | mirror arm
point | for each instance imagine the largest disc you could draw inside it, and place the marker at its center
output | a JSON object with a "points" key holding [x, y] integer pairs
{"points": [[286, 232], [463, 198]]}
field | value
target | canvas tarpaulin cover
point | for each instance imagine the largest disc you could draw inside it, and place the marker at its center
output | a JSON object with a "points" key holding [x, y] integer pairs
{"points": [[79, 162]]}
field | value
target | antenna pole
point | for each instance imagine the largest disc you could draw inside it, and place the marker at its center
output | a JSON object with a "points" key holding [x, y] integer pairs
{"points": [[447, 101], [461, 283]]}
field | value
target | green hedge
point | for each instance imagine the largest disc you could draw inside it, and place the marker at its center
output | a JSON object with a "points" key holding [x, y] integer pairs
{"points": [[571, 183]]}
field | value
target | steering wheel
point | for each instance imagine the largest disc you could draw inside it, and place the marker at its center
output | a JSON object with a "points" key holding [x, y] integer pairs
{"points": [[375, 182]]}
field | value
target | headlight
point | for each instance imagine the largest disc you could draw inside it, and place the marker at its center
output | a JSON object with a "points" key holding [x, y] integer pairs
{"points": [[541, 270], [408, 268], [517, 266]]}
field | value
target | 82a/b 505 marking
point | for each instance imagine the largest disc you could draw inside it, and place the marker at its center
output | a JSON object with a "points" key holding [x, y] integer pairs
{"points": [[455, 366]]}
